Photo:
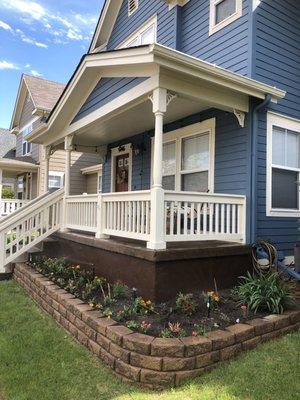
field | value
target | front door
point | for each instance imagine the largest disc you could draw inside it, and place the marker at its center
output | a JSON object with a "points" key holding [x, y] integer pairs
{"points": [[122, 173]]}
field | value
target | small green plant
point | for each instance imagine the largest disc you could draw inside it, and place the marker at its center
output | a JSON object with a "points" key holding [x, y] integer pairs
{"points": [[173, 331], [199, 330], [132, 325], [144, 327], [224, 317], [124, 314], [263, 293], [107, 312], [119, 290], [142, 307], [186, 304]]}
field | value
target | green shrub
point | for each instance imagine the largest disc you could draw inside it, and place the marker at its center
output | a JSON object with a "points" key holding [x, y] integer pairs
{"points": [[8, 193], [119, 290], [265, 293]]}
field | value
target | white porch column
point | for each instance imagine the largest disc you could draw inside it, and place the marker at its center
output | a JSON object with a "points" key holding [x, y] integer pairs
{"points": [[157, 236], [47, 161], [67, 184], [68, 150]]}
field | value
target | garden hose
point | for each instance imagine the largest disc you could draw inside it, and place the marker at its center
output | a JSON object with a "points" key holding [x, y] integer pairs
{"points": [[270, 257]]}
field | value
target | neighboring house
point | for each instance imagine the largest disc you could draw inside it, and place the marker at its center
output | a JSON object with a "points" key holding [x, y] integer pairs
{"points": [[35, 100], [195, 105], [7, 150]]}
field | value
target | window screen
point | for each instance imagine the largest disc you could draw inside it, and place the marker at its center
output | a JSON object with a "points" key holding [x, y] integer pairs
{"points": [[169, 166], [285, 190], [225, 9]]}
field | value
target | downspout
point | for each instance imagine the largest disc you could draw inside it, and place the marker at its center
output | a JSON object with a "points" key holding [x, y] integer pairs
{"points": [[254, 139]]}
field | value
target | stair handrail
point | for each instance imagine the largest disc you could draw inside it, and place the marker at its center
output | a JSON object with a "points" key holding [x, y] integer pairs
{"points": [[33, 205]]}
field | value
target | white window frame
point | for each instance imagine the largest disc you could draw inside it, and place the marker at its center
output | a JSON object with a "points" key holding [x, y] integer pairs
{"points": [[57, 174], [138, 33], [135, 9], [213, 27], [26, 130], [285, 123], [207, 126], [114, 154]]}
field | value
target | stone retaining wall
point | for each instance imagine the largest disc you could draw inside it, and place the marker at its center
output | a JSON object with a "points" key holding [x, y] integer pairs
{"points": [[153, 362]]}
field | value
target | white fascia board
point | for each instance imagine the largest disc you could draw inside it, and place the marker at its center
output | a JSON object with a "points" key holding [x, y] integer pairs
{"points": [[91, 170], [105, 24]]}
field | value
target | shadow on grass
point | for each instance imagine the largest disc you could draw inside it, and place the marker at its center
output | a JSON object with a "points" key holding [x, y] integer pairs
{"points": [[38, 360]]}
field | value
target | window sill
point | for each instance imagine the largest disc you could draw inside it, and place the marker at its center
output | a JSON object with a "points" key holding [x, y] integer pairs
{"points": [[283, 213]]}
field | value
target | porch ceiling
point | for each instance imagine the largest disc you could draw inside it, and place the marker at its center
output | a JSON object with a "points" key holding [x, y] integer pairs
{"points": [[197, 84], [132, 121]]}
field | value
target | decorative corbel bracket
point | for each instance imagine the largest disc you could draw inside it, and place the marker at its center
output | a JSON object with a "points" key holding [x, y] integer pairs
{"points": [[240, 115], [170, 97]]}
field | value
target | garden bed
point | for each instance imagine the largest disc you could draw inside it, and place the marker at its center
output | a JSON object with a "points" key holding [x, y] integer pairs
{"points": [[151, 361], [189, 314]]}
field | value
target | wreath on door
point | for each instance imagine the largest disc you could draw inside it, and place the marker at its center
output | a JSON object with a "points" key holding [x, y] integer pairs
{"points": [[122, 176]]}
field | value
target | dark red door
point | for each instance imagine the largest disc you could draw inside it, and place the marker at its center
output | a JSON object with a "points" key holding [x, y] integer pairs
{"points": [[122, 173]]}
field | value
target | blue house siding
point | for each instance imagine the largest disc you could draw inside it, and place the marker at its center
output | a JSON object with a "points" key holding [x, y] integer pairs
{"points": [[227, 48], [105, 91], [277, 63], [277, 51], [231, 155], [126, 25], [283, 232]]}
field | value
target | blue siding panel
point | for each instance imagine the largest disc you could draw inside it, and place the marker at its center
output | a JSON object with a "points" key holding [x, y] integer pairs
{"points": [[227, 48], [105, 91], [126, 25]]}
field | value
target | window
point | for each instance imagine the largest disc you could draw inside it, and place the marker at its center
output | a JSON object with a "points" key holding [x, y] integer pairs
{"points": [[188, 158], [132, 6], [283, 174], [26, 146], [55, 179], [224, 12], [144, 35]]}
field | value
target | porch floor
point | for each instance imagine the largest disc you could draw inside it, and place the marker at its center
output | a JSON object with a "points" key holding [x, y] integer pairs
{"points": [[174, 251]]}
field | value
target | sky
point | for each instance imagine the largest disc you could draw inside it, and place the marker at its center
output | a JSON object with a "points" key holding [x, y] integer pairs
{"points": [[43, 38]]}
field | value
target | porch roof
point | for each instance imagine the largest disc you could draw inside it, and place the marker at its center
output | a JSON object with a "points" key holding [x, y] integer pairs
{"points": [[17, 166], [198, 84]]}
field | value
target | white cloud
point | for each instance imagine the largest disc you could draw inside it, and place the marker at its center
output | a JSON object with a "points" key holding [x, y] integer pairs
{"points": [[8, 65], [5, 26], [32, 8], [35, 73], [29, 40], [71, 34]]}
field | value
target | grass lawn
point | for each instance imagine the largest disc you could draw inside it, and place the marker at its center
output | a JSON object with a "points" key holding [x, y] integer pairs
{"points": [[39, 361]]}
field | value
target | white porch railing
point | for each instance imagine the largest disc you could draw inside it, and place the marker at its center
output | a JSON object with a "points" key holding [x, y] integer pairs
{"points": [[203, 216], [8, 206], [127, 214], [29, 225], [81, 213], [187, 216]]}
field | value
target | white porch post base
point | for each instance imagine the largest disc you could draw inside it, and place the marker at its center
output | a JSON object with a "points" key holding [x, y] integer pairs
{"points": [[101, 236], [101, 219], [157, 239]]}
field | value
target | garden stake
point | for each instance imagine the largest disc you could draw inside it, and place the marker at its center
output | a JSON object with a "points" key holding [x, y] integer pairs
{"points": [[208, 307]]}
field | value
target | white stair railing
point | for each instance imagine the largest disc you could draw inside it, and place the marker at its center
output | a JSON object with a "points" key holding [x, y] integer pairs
{"points": [[29, 225], [8, 206]]}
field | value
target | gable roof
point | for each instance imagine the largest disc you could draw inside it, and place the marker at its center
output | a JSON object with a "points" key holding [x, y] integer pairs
{"points": [[43, 93], [7, 142]]}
